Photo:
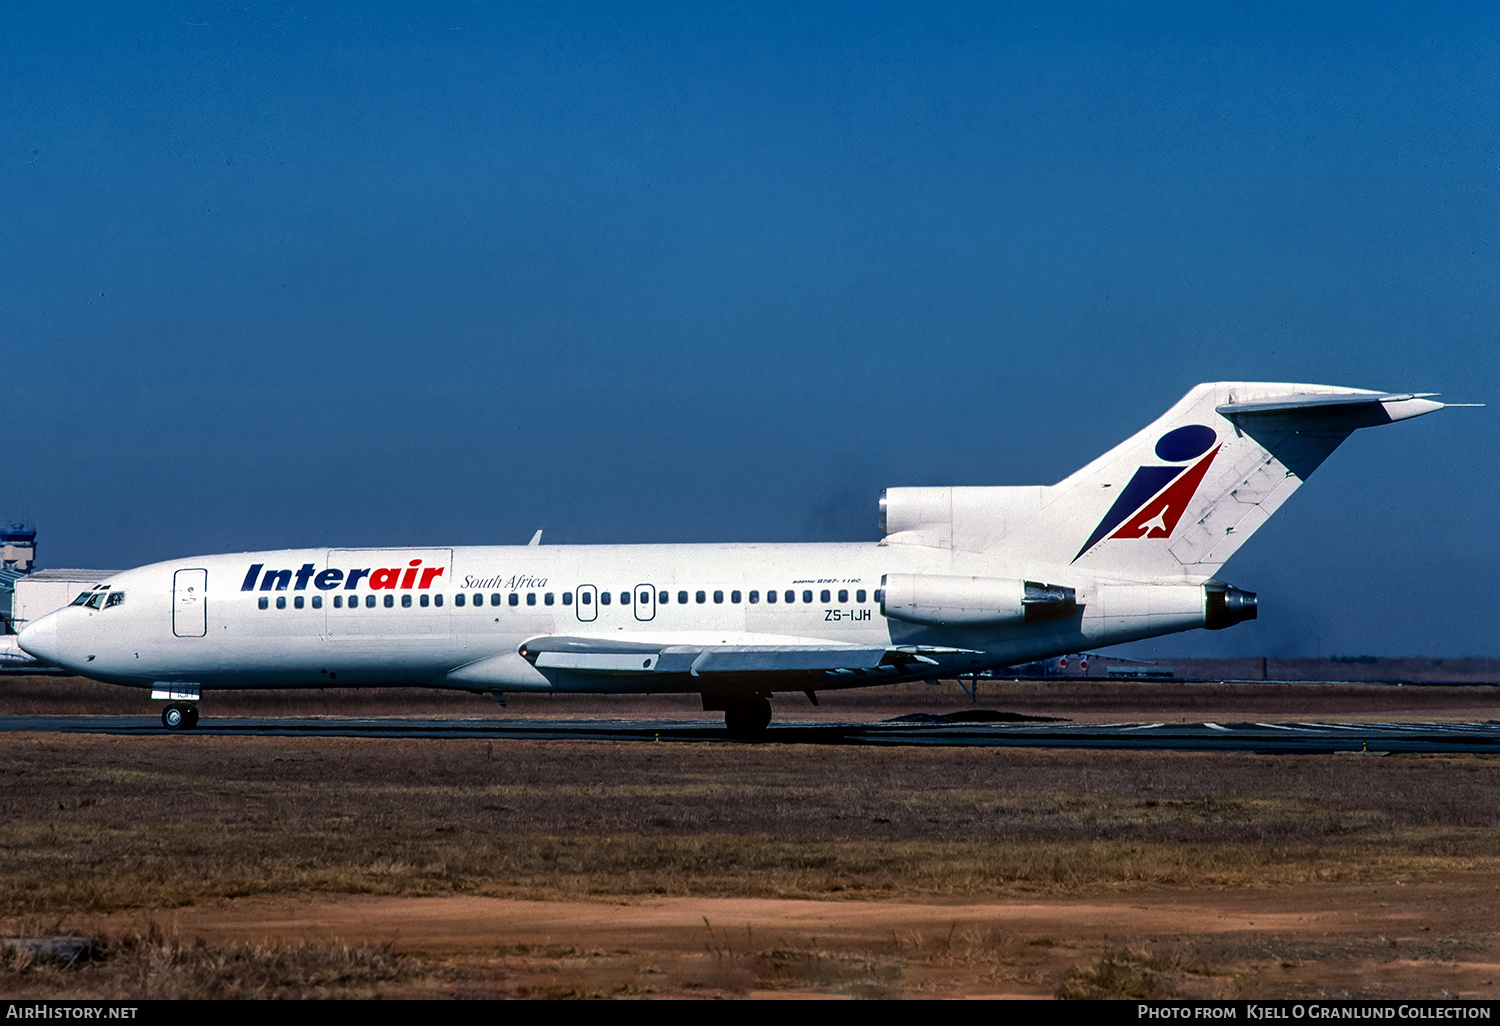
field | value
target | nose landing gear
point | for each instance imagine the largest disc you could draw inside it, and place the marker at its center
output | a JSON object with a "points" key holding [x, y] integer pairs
{"points": [[179, 717]]}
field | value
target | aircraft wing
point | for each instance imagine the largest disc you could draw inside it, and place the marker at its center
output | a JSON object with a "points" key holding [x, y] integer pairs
{"points": [[699, 655], [639, 654]]}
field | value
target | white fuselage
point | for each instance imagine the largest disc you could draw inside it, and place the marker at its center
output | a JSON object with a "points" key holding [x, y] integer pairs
{"points": [[370, 617]]}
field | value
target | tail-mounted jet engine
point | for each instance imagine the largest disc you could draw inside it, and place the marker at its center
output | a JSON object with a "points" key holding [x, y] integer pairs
{"points": [[977, 601], [1225, 605]]}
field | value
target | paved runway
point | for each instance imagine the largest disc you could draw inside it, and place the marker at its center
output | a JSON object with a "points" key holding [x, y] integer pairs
{"points": [[1231, 737]]}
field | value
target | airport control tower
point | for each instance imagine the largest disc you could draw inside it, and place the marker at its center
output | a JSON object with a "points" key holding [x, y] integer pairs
{"points": [[18, 547], [17, 559]]}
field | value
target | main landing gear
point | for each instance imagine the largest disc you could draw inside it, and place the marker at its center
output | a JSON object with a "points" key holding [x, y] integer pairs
{"points": [[745, 714], [747, 717], [179, 717]]}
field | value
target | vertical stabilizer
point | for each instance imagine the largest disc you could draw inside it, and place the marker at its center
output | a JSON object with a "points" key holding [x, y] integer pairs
{"points": [[1176, 500]]}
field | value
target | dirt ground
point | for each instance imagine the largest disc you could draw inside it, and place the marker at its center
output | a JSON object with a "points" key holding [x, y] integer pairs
{"points": [[1434, 938], [269, 867]]}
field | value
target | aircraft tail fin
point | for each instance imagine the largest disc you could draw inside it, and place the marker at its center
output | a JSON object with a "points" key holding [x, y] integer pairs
{"points": [[1177, 499]]}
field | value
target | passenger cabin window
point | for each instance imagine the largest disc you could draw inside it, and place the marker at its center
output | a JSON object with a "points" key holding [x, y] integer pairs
{"points": [[370, 601], [663, 598], [406, 600], [754, 597], [807, 596], [547, 598], [604, 598], [264, 603], [531, 598], [843, 594], [280, 601], [437, 600], [824, 597], [458, 600], [567, 598], [495, 599], [338, 602], [859, 596], [478, 600], [718, 598], [515, 598], [791, 596], [624, 598], [682, 598], [390, 601], [425, 599], [770, 596], [317, 601], [298, 602], [585, 598], [734, 597], [702, 597]]}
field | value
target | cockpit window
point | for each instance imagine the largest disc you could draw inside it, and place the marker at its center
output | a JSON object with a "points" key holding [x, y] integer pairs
{"points": [[83, 596], [115, 598], [96, 600]]}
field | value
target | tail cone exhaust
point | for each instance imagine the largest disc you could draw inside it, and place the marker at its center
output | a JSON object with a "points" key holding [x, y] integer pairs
{"points": [[1226, 605]]}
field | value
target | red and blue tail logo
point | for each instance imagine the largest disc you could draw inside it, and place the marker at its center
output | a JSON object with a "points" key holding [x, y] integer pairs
{"points": [[1156, 497]]}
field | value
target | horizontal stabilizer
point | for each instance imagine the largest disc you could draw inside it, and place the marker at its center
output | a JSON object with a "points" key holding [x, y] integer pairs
{"points": [[1400, 405]]}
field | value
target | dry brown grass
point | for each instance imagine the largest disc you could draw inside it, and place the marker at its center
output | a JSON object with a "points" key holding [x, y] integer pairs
{"points": [[1135, 974], [91, 825], [155, 966], [104, 823]]}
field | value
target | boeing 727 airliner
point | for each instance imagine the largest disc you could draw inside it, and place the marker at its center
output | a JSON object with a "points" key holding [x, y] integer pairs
{"points": [[963, 580]]}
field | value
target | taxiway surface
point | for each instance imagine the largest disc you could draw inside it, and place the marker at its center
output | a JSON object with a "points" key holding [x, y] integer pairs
{"points": [[1233, 737]]}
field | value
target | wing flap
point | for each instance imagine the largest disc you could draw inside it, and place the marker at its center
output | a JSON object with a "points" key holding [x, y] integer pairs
{"points": [[612, 655], [597, 662]]}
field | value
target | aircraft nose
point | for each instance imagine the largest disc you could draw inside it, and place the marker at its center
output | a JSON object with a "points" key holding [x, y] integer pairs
{"points": [[40, 639]]}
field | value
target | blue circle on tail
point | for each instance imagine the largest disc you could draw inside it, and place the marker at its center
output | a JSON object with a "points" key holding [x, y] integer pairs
{"points": [[1185, 443]]}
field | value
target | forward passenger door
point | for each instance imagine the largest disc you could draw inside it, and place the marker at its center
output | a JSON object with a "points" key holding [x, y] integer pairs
{"points": [[190, 603]]}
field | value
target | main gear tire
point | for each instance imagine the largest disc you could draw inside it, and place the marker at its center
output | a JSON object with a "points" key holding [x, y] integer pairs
{"points": [[747, 718]]}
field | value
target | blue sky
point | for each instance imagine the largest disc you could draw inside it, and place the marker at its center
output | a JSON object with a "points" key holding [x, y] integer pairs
{"points": [[289, 274]]}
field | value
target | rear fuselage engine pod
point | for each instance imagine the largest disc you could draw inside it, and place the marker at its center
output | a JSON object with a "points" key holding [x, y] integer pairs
{"points": [[1128, 612], [976, 601]]}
